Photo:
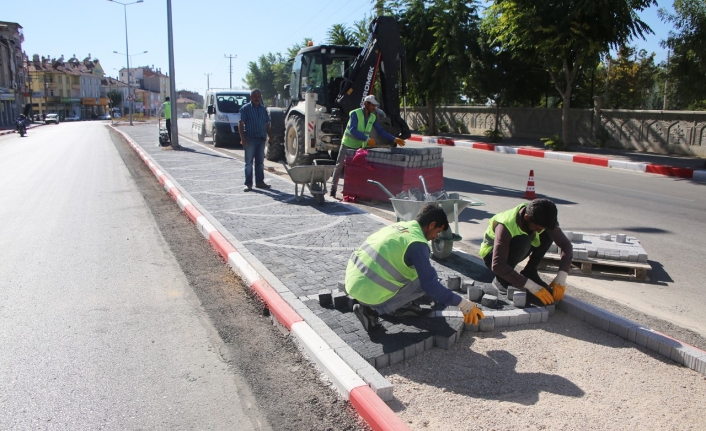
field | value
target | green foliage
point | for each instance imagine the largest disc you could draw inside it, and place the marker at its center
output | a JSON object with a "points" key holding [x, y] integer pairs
{"points": [[461, 127], [269, 74], [115, 97], [422, 128], [444, 128], [687, 66], [191, 106], [494, 135], [555, 143], [602, 137], [361, 30], [339, 34]]}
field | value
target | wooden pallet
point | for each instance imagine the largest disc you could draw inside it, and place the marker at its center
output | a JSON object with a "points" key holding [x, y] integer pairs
{"points": [[601, 267]]}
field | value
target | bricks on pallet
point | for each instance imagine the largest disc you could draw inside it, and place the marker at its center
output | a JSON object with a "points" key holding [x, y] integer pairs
{"points": [[325, 298]]}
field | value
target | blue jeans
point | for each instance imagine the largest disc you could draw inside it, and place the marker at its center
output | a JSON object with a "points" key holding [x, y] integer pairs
{"points": [[255, 150], [402, 298]]}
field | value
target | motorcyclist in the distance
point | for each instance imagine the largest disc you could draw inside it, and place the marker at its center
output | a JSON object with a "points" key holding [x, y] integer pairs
{"points": [[21, 125]]}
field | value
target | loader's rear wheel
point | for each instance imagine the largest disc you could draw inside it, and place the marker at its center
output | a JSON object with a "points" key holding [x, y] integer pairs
{"points": [[274, 149], [443, 245], [294, 149]]}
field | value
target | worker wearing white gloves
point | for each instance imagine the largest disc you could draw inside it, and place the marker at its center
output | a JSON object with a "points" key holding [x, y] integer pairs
{"points": [[526, 230], [391, 270], [357, 135]]}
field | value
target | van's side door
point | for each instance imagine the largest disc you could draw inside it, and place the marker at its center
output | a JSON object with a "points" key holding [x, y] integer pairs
{"points": [[209, 119]]}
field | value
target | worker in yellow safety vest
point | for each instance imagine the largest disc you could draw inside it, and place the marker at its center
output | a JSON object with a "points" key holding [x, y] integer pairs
{"points": [[357, 135], [391, 270], [526, 230]]}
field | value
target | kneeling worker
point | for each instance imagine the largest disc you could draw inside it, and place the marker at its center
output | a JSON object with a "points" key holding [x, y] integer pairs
{"points": [[526, 230], [391, 269]]}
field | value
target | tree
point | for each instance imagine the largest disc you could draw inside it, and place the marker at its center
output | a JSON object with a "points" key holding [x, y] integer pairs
{"points": [[269, 74], [440, 38], [339, 34], [116, 97], [499, 76], [631, 81], [565, 35], [361, 30], [687, 65], [191, 107]]}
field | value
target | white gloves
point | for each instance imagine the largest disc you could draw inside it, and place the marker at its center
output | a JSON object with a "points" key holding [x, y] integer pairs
{"points": [[465, 305]]}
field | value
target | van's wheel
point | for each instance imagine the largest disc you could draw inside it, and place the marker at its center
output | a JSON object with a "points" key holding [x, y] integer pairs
{"points": [[294, 149], [274, 150], [216, 140], [443, 245], [201, 134]]}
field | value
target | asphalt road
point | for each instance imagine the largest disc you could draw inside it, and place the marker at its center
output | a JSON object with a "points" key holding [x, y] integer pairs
{"points": [[116, 314], [665, 214]]}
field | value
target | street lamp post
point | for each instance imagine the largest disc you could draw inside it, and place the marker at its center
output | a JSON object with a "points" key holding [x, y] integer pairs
{"points": [[129, 86], [127, 54]]}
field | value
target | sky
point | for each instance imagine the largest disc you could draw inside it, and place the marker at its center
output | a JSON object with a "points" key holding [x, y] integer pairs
{"points": [[204, 32]]}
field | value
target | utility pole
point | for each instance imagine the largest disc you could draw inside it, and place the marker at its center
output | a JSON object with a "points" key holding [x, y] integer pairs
{"points": [[208, 80], [666, 79], [172, 78], [230, 57]]}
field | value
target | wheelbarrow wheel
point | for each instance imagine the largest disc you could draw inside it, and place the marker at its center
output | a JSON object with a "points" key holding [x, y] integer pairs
{"points": [[320, 198], [443, 245]]}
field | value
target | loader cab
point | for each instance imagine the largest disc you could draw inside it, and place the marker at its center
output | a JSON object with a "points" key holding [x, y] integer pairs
{"points": [[321, 70]]}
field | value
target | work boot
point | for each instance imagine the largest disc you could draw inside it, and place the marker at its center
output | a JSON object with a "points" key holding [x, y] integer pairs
{"points": [[263, 186], [500, 285], [367, 316], [412, 310], [247, 188], [333, 192]]}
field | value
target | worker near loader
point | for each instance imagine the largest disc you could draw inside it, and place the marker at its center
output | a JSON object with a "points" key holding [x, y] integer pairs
{"points": [[526, 230], [391, 270], [166, 107], [357, 135]]}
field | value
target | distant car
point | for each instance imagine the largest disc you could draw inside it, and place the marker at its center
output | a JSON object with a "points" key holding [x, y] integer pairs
{"points": [[185, 115], [104, 117], [51, 118], [72, 118]]}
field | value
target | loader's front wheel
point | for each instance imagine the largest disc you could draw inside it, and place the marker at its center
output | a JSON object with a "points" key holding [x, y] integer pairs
{"points": [[274, 150], [294, 149]]}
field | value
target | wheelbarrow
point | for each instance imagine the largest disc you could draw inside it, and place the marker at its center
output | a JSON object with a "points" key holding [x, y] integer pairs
{"points": [[164, 140], [451, 203], [314, 177]]}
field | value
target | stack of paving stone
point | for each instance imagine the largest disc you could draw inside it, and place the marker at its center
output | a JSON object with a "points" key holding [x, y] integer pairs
{"points": [[404, 157], [604, 246], [398, 169]]}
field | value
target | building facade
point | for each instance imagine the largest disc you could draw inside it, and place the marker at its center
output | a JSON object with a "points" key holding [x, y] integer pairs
{"points": [[12, 75]]}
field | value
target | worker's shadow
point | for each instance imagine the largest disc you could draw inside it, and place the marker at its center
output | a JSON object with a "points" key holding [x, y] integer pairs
{"points": [[493, 377]]}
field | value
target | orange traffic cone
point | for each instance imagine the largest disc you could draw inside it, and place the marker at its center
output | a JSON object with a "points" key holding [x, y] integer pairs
{"points": [[529, 193]]}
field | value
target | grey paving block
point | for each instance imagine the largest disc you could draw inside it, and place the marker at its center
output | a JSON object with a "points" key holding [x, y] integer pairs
{"points": [[550, 308], [470, 328], [445, 341], [396, 356], [466, 285], [487, 324], [511, 291], [514, 319], [382, 361], [475, 293], [620, 238], [352, 358], [419, 348], [501, 319], [379, 384], [410, 351], [490, 301], [325, 298], [453, 282], [535, 314], [524, 318], [341, 286], [340, 300], [429, 343], [545, 315], [519, 299]]}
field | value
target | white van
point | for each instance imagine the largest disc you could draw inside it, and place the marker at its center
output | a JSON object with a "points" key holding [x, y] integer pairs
{"points": [[221, 117]]}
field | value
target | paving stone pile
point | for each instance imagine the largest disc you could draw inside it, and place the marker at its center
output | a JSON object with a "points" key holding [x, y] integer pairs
{"points": [[604, 246], [404, 157]]}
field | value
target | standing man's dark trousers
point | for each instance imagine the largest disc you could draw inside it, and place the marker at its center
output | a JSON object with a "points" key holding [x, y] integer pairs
{"points": [[169, 129], [520, 248]]}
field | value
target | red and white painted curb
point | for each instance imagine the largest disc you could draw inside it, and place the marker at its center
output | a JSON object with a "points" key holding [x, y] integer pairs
{"points": [[688, 173], [366, 402]]}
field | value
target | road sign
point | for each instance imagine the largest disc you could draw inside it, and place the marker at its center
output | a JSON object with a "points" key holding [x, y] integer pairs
{"points": [[130, 98]]}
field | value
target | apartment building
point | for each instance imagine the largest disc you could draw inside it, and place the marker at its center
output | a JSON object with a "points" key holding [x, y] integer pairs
{"points": [[12, 76]]}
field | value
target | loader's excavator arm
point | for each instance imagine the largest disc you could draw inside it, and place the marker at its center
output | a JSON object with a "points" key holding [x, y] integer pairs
{"points": [[382, 54]]}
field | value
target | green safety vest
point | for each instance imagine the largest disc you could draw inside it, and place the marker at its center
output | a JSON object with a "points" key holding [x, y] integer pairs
{"points": [[168, 110], [348, 139], [509, 220], [377, 271]]}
